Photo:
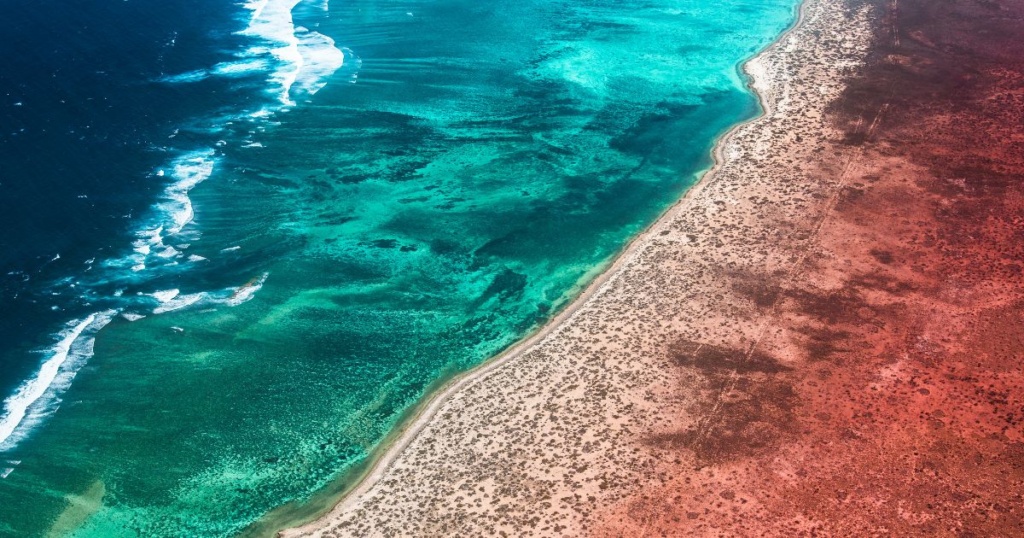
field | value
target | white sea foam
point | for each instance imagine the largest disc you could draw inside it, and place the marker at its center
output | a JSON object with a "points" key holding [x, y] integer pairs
{"points": [[171, 300], [132, 317], [38, 396], [146, 239], [320, 59], [168, 252], [245, 292], [297, 60], [174, 212], [179, 302], [303, 59], [272, 26], [241, 68], [189, 170], [191, 76], [166, 295]]}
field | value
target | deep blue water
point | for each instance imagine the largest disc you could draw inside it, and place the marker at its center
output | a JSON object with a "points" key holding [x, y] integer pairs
{"points": [[82, 126]]}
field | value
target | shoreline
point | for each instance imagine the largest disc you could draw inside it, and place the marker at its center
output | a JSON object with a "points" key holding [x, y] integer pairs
{"points": [[821, 338], [879, 393], [399, 440]]}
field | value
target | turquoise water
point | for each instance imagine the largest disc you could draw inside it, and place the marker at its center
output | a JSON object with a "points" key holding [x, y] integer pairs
{"points": [[456, 181]]}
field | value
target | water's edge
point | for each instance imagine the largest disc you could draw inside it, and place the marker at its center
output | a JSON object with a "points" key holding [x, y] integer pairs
{"points": [[349, 484]]}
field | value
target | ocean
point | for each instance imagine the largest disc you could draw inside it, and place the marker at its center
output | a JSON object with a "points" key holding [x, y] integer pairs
{"points": [[241, 241]]}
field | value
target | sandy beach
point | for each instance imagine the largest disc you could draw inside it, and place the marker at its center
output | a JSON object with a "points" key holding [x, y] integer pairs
{"points": [[823, 336]]}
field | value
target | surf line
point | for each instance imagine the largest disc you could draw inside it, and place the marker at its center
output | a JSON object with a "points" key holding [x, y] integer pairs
{"points": [[299, 62], [27, 404]]}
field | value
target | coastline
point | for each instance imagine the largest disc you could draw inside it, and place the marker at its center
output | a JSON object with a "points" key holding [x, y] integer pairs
{"points": [[821, 338], [878, 395], [399, 440]]}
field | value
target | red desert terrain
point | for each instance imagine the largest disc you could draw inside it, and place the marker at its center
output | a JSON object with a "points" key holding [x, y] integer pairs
{"points": [[898, 409]]}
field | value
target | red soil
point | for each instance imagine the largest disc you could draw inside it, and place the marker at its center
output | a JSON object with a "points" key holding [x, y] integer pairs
{"points": [[888, 398]]}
